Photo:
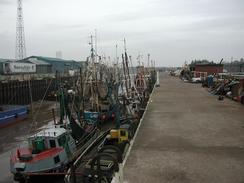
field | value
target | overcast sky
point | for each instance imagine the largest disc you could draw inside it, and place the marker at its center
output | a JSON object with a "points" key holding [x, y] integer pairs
{"points": [[171, 31]]}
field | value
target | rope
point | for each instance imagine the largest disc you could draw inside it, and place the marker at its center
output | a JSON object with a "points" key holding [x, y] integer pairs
{"points": [[34, 115], [15, 93]]}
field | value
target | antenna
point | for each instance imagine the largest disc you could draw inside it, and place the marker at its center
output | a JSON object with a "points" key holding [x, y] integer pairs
{"points": [[117, 58], [148, 61], [125, 45], [96, 45], [92, 49], [139, 58], [20, 50]]}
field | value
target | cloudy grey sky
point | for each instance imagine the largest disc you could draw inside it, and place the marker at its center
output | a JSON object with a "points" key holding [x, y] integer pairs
{"points": [[171, 31]]}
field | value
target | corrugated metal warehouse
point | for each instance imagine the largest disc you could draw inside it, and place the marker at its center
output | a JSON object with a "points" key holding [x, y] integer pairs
{"points": [[46, 65], [51, 65], [42, 67]]}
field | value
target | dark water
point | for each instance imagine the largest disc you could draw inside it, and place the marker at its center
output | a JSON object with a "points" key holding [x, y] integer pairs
{"points": [[15, 135]]}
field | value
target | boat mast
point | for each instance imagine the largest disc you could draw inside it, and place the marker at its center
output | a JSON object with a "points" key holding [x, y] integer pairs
{"points": [[116, 76], [117, 58], [125, 75], [127, 64], [97, 69], [96, 45], [133, 70], [148, 63], [82, 91], [94, 95]]}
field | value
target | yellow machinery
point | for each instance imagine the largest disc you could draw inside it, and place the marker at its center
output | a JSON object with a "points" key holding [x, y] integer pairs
{"points": [[119, 135]]}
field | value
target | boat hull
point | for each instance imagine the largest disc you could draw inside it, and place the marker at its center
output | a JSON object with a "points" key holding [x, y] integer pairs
{"points": [[45, 164], [41, 176], [12, 115]]}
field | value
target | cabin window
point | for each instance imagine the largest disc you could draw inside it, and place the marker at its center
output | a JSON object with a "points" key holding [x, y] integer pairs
{"points": [[52, 143], [122, 133], [62, 140], [56, 159]]}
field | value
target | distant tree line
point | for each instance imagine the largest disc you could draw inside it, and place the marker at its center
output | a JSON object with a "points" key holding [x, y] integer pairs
{"points": [[203, 62], [234, 66]]}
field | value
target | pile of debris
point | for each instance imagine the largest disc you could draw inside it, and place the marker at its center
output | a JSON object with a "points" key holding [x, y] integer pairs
{"points": [[198, 71], [228, 85], [232, 87], [192, 76]]}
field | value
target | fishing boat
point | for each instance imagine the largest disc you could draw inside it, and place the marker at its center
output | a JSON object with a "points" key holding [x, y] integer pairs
{"points": [[53, 149], [10, 114], [98, 90]]}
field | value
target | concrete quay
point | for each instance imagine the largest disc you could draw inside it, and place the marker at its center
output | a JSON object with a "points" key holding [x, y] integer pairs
{"points": [[188, 136]]}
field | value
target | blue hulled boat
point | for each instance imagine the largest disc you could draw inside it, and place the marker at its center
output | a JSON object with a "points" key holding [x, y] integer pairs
{"points": [[10, 114]]}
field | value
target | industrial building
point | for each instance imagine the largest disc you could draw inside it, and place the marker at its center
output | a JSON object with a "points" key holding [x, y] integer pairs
{"points": [[52, 65], [209, 68], [3, 61], [43, 65]]}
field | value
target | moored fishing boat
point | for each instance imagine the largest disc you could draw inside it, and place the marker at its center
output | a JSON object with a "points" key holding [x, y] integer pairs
{"points": [[53, 149]]}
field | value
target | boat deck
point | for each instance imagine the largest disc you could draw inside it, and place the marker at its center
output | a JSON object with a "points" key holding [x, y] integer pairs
{"points": [[187, 135]]}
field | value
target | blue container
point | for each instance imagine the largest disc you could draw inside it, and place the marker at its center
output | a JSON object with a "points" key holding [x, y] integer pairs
{"points": [[91, 117]]}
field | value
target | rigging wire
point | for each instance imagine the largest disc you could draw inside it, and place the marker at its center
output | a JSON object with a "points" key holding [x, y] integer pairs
{"points": [[34, 115]]}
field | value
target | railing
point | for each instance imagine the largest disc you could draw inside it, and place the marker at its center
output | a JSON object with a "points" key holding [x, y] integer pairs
{"points": [[70, 175], [84, 143]]}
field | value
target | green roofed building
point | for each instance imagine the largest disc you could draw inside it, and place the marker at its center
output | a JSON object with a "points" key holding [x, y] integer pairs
{"points": [[45, 65]]}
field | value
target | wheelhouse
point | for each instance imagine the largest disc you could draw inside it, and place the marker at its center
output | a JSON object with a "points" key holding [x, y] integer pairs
{"points": [[47, 139]]}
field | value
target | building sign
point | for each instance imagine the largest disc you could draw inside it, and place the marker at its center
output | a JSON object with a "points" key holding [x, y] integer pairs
{"points": [[18, 68]]}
